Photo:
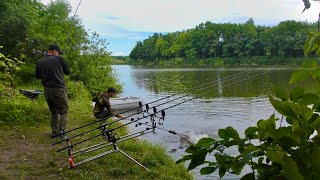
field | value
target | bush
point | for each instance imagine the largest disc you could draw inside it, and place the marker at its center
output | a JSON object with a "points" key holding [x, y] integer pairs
{"points": [[26, 75], [21, 110], [202, 62], [178, 61], [77, 91], [8, 68]]}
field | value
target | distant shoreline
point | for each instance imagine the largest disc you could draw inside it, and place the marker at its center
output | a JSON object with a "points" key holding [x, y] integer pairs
{"points": [[252, 61]]}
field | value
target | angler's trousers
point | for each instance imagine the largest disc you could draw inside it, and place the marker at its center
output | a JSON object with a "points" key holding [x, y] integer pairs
{"points": [[58, 104]]}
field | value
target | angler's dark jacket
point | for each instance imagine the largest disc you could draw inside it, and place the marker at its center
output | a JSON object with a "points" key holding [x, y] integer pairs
{"points": [[51, 70]]}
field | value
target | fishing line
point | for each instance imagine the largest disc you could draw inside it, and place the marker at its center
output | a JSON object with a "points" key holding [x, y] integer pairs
{"points": [[208, 87], [138, 119], [210, 92], [164, 98], [248, 77], [204, 78], [72, 19], [179, 78], [203, 88], [169, 131], [198, 89], [186, 101]]}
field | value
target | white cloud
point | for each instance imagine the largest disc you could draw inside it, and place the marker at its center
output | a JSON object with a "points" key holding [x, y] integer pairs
{"points": [[174, 15], [123, 22]]}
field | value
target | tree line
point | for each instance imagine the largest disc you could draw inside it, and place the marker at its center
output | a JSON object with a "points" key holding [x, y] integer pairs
{"points": [[226, 40]]}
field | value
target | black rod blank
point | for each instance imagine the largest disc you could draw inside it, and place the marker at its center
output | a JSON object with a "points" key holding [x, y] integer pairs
{"points": [[147, 105], [138, 119], [203, 88]]}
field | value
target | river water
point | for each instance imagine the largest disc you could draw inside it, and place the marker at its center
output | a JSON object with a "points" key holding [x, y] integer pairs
{"points": [[233, 96]]}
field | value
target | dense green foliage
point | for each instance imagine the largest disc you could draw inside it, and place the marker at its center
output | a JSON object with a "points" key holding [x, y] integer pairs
{"points": [[29, 26], [8, 67], [288, 149], [26, 29], [229, 43]]}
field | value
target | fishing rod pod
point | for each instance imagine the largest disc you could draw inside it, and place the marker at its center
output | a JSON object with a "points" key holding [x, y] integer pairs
{"points": [[145, 116], [156, 117], [147, 105]]}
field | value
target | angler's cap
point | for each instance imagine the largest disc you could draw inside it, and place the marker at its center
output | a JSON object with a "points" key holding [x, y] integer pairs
{"points": [[55, 47], [112, 90]]}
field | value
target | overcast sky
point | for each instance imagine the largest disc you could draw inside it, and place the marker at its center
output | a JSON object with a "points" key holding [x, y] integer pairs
{"points": [[123, 22]]}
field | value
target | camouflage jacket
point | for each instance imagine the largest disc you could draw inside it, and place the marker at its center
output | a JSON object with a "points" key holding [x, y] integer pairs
{"points": [[102, 104]]}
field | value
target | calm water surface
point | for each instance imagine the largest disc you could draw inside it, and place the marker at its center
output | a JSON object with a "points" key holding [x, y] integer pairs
{"points": [[224, 102]]}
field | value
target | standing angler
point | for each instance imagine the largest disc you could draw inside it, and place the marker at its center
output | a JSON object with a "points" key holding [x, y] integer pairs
{"points": [[51, 69]]}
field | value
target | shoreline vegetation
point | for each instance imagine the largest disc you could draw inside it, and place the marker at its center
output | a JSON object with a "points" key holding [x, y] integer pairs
{"points": [[253, 61], [227, 43]]}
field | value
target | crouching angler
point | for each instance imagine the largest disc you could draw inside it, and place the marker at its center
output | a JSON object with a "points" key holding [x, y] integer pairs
{"points": [[102, 108]]}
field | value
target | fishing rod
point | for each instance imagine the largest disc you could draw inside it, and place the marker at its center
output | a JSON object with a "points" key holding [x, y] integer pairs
{"points": [[101, 126], [209, 92], [108, 143], [113, 141], [184, 102], [125, 138], [202, 88], [155, 112], [73, 17], [138, 119], [169, 131], [175, 79], [137, 108], [147, 107]]}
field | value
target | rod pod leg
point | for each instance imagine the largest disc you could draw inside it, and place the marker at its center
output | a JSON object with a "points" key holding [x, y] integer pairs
{"points": [[129, 157]]}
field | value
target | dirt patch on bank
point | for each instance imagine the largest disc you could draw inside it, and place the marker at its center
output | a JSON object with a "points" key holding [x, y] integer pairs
{"points": [[25, 153]]}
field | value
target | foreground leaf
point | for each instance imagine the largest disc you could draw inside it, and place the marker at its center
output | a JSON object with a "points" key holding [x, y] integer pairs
{"points": [[228, 133], [298, 76], [249, 176], [290, 168], [207, 170]]}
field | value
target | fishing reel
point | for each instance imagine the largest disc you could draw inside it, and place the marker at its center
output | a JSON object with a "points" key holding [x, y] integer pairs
{"points": [[155, 118], [161, 117], [110, 135], [145, 113]]}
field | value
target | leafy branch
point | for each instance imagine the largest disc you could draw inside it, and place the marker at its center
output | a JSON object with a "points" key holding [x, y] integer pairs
{"points": [[8, 67]]}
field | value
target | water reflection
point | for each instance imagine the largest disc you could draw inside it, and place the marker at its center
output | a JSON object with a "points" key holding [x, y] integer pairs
{"points": [[166, 81], [224, 103]]}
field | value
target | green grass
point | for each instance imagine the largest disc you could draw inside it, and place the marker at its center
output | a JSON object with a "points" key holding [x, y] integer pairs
{"points": [[26, 151], [119, 61]]}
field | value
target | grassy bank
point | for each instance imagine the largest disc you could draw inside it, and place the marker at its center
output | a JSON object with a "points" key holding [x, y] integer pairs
{"points": [[26, 151]]}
